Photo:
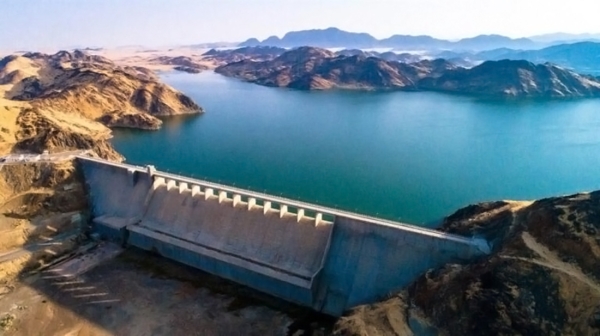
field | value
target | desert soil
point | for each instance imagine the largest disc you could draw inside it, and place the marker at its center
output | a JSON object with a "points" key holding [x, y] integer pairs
{"points": [[140, 294]]}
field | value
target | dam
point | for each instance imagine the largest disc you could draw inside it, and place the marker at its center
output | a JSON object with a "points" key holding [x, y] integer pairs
{"points": [[314, 256]]}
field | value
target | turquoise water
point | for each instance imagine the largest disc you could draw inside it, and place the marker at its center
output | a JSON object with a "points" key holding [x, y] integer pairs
{"points": [[414, 157]]}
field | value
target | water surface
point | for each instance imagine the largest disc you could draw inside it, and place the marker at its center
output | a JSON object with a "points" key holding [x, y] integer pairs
{"points": [[408, 156]]}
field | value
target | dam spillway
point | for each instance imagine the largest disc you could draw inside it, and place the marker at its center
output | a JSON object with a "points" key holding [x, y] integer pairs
{"points": [[318, 257]]}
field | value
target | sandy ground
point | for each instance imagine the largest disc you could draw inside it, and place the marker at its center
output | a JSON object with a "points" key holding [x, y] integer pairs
{"points": [[9, 110], [140, 294], [138, 56], [135, 56]]}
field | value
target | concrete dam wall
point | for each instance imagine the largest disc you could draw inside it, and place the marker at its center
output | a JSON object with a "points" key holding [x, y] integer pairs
{"points": [[314, 256]]}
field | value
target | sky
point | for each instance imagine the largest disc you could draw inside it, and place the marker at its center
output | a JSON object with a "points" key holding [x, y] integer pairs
{"points": [[31, 24]]}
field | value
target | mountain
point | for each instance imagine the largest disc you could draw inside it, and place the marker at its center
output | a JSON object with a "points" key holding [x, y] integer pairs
{"points": [[581, 57], [330, 37], [181, 63], [413, 42], [515, 79], [564, 37], [251, 42], [388, 55], [336, 38], [310, 68], [542, 277], [65, 81], [256, 53], [486, 42]]}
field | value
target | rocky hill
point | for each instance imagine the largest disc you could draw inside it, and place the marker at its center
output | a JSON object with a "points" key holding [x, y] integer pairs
{"points": [[388, 55], [515, 79], [257, 53], [582, 57], [92, 86], [542, 277], [181, 63], [312, 68], [61, 101]]}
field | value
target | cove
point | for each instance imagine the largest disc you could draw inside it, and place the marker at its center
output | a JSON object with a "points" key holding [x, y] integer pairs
{"points": [[408, 156]]}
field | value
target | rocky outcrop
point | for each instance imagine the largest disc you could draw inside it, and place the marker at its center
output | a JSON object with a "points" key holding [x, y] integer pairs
{"points": [[181, 63], [187, 69], [311, 68], [130, 120], [58, 132], [542, 277], [259, 54], [515, 79], [42, 208], [387, 56]]}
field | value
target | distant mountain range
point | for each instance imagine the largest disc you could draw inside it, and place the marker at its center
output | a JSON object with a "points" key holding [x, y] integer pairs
{"points": [[582, 56], [564, 37], [336, 38], [260, 53]]}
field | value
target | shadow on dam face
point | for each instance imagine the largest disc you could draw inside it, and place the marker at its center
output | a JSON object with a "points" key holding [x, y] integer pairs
{"points": [[312, 256]]}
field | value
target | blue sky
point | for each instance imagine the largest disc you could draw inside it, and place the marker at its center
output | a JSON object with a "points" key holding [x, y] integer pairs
{"points": [[29, 24]]}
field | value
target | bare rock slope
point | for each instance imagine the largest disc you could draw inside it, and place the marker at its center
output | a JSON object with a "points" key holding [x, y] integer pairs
{"points": [[57, 132]]}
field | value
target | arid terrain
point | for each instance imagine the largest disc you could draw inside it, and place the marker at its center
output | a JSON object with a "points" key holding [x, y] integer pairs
{"points": [[541, 278]]}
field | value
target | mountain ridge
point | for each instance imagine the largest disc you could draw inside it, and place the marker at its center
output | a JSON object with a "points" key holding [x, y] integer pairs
{"points": [[310, 68], [334, 37]]}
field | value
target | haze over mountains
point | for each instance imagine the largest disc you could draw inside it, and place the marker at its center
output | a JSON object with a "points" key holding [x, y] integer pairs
{"points": [[582, 57], [337, 38]]}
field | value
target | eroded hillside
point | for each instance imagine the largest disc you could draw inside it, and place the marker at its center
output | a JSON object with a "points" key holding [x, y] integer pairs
{"points": [[69, 100]]}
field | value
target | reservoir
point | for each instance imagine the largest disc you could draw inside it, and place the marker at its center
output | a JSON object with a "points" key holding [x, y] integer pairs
{"points": [[413, 157]]}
